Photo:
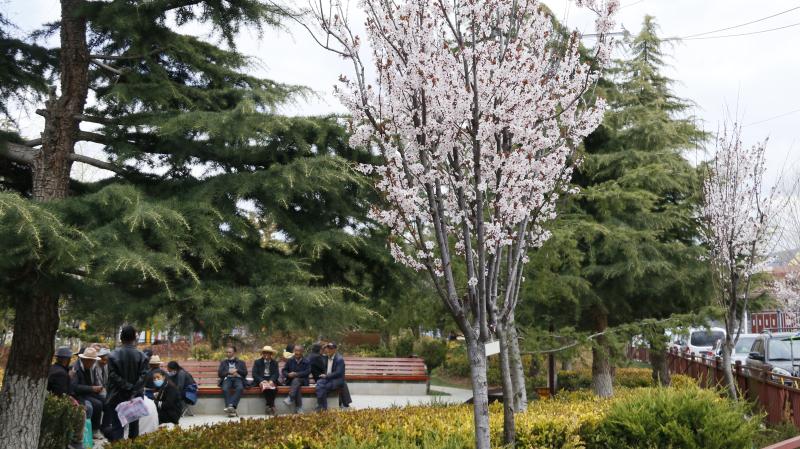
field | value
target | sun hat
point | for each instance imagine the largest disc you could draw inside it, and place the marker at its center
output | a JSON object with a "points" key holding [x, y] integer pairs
{"points": [[155, 360], [90, 354], [269, 349]]}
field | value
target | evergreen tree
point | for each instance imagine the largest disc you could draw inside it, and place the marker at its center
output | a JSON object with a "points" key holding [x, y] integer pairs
{"points": [[626, 246], [217, 207]]}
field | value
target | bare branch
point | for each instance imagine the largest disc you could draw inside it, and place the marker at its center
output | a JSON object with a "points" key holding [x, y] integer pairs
{"points": [[75, 157], [18, 153], [92, 137], [107, 67]]}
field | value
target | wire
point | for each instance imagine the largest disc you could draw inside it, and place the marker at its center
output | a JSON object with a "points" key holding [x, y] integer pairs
{"points": [[773, 118], [734, 35], [742, 24], [631, 4]]}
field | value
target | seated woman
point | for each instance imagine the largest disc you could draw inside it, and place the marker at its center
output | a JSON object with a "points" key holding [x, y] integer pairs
{"points": [[182, 380], [168, 400]]}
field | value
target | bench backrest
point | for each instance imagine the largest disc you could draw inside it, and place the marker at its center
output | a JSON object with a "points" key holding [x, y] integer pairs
{"points": [[356, 369]]}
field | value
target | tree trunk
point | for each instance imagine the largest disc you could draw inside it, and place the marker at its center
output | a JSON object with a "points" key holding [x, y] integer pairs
{"points": [[602, 368], [509, 390], [480, 392], [36, 320], [727, 368], [22, 395], [658, 356], [517, 370]]}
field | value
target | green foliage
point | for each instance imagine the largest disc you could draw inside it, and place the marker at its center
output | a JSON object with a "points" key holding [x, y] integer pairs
{"points": [[456, 362], [404, 346], [575, 380], [690, 418], [61, 421], [433, 351]]}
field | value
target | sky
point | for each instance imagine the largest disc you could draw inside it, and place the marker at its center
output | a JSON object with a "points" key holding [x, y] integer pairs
{"points": [[754, 77]]}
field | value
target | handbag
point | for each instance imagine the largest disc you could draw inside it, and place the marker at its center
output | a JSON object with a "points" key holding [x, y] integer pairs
{"points": [[130, 411], [190, 394]]}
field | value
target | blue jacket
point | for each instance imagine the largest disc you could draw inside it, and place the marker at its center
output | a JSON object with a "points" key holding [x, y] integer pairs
{"points": [[337, 370], [302, 368]]}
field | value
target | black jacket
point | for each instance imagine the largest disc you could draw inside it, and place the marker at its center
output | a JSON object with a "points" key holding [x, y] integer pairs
{"points": [[259, 371], [169, 403], [181, 379], [241, 368], [337, 369], [317, 363], [58, 380], [302, 368], [127, 370], [83, 381]]}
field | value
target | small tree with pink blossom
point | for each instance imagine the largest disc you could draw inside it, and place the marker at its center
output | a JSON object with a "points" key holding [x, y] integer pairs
{"points": [[477, 114], [738, 217]]}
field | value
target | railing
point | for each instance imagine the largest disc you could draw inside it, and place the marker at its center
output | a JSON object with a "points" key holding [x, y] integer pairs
{"points": [[777, 395], [792, 443]]}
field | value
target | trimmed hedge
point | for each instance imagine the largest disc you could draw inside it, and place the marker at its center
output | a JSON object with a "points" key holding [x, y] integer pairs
{"points": [[61, 420], [572, 421]]}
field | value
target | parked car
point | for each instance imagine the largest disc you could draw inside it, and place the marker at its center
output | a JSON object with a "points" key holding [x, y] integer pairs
{"points": [[741, 350], [773, 353], [701, 341]]}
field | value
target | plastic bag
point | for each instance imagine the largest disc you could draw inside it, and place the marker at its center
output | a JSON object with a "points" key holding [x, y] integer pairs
{"points": [[190, 394], [88, 440], [130, 411]]}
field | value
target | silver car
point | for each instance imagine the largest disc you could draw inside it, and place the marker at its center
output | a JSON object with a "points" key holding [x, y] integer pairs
{"points": [[774, 353], [741, 350]]}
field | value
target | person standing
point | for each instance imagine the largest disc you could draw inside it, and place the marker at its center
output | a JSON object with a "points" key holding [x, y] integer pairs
{"points": [[265, 376], [295, 372], [127, 371], [332, 379], [87, 388], [232, 373]]}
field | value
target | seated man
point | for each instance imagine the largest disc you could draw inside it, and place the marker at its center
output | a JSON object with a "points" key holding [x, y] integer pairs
{"points": [[295, 374], [232, 374], [87, 388], [58, 376], [332, 379]]}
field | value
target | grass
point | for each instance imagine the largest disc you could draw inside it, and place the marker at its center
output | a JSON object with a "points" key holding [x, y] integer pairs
{"points": [[439, 380], [437, 393]]}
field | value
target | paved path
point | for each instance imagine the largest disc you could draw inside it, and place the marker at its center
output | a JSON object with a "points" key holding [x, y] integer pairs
{"points": [[360, 401]]}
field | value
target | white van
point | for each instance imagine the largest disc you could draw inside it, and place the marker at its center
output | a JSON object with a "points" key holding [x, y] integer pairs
{"points": [[701, 341]]}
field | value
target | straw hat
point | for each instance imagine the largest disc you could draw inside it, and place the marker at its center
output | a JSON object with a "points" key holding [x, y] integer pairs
{"points": [[155, 360], [268, 349], [90, 354]]}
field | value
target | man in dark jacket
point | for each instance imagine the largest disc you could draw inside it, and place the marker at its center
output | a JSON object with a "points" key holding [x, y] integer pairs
{"points": [[58, 376], [295, 374], [265, 376], [332, 379], [316, 361], [232, 374], [127, 370], [87, 387]]}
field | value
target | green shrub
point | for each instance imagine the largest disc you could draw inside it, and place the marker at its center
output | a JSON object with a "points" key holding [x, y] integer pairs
{"points": [[623, 377], [432, 351], [404, 346], [61, 421], [684, 418], [456, 363]]}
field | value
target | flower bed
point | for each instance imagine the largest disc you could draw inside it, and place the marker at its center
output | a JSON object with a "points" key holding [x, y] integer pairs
{"points": [[574, 420]]}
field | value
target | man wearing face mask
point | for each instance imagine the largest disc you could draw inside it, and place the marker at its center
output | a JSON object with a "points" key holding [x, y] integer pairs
{"points": [[232, 373]]}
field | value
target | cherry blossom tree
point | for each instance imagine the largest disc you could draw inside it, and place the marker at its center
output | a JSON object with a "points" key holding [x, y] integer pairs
{"points": [[477, 111], [738, 218]]}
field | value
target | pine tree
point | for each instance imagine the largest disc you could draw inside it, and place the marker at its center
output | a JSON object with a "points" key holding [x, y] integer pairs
{"points": [[628, 248], [217, 207]]}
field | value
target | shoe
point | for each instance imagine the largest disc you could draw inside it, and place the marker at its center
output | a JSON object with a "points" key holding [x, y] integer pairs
{"points": [[298, 410], [232, 413], [97, 435], [287, 401], [270, 411]]}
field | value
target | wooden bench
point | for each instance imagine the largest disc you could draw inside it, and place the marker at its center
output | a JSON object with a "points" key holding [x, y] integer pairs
{"points": [[364, 375]]}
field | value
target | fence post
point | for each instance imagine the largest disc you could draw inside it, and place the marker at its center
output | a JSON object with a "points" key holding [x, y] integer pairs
{"points": [[693, 371], [718, 374]]}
